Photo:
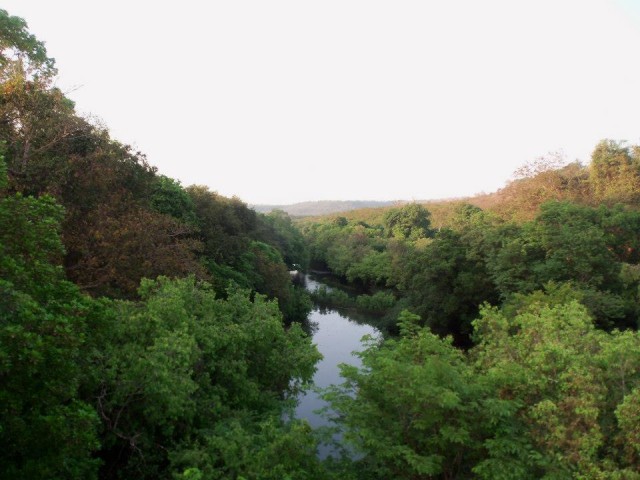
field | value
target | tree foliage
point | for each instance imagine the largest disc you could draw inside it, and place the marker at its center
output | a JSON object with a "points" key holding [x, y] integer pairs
{"points": [[413, 408], [543, 394], [117, 389], [186, 356], [408, 222], [123, 387], [46, 430], [614, 173], [16, 43], [180, 361]]}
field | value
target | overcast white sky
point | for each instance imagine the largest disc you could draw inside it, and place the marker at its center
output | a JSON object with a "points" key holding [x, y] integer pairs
{"points": [[284, 101]]}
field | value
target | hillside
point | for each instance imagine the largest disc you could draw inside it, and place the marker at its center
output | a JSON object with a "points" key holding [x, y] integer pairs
{"points": [[323, 207], [604, 181]]}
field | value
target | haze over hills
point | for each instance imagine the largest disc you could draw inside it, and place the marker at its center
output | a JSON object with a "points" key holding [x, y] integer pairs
{"points": [[324, 207], [329, 207]]}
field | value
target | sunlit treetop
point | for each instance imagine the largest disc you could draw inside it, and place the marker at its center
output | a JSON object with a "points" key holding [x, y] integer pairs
{"points": [[17, 44]]}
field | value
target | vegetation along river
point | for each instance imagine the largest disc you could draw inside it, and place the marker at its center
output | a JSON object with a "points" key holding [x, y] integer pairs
{"points": [[337, 337]]}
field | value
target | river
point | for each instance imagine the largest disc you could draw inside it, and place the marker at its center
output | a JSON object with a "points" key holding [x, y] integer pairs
{"points": [[337, 336]]}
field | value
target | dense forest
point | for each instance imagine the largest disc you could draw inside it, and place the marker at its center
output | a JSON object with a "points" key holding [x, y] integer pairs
{"points": [[147, 330], [152, 331], [514, 349]]}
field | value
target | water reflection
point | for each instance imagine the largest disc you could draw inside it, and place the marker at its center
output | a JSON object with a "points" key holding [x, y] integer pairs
{"points": [[337, 336]]}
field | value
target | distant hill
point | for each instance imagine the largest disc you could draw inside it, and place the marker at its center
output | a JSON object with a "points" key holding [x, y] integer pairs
{"points": [[323, 207], [520, 199]]}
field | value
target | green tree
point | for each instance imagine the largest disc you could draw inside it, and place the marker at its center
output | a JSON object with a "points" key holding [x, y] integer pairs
{"points": [[413, 409], [570, 243], [170, 198], [174, 365], [628, 415], [263, 450], [614, 173], [277, 229], [445, 283], [226, 225], [410, 222], [46, 430], [567, 378], [575, 246], [17, 44]]}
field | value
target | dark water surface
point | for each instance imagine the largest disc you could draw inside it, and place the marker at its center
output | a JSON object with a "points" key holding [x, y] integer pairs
{"points": [[336, 336]]}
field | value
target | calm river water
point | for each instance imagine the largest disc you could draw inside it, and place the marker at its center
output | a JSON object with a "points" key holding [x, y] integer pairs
{"points": [[337, 337]]}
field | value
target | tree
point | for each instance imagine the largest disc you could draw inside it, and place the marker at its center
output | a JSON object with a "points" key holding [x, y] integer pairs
{"points": [[410, 222], [174, 367], [113, 253], [567, 379], [17, 44], [277, 229], [170, 198], [244, 448], [575, 246], [46, 430], [226, 225], [545, 179], [445, 283], [414, 407], [614, 173]]}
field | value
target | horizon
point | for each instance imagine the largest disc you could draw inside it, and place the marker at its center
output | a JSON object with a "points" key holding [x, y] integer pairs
{"points": [[284, 103], [360, 200]]}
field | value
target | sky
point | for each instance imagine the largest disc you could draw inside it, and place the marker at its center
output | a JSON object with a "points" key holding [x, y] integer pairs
{"points": [[279, 101]]}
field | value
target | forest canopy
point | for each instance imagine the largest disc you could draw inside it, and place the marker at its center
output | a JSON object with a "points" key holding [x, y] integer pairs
{"points": [[147, 330], [152, 330]]}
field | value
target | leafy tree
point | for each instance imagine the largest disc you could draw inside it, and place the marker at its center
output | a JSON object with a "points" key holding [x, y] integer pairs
{"points": [[575, 246], [373, 269], [445, 284], [356, 252], [46, 430], [567, 378], [104, 186], [16, 43], [621, 225], [114, 253], [413, 409], [569, 243], [244, 448], [543, 394], [226, 225], [546, 179], [409, 222], [277, 229], [265, 271], [627, 415], [177, 363], [614, 173], [38, 122], [168, 197], [340, 221]]}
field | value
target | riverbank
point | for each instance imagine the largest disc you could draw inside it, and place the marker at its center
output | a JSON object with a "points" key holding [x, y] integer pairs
{"points": [[337, 335]]}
